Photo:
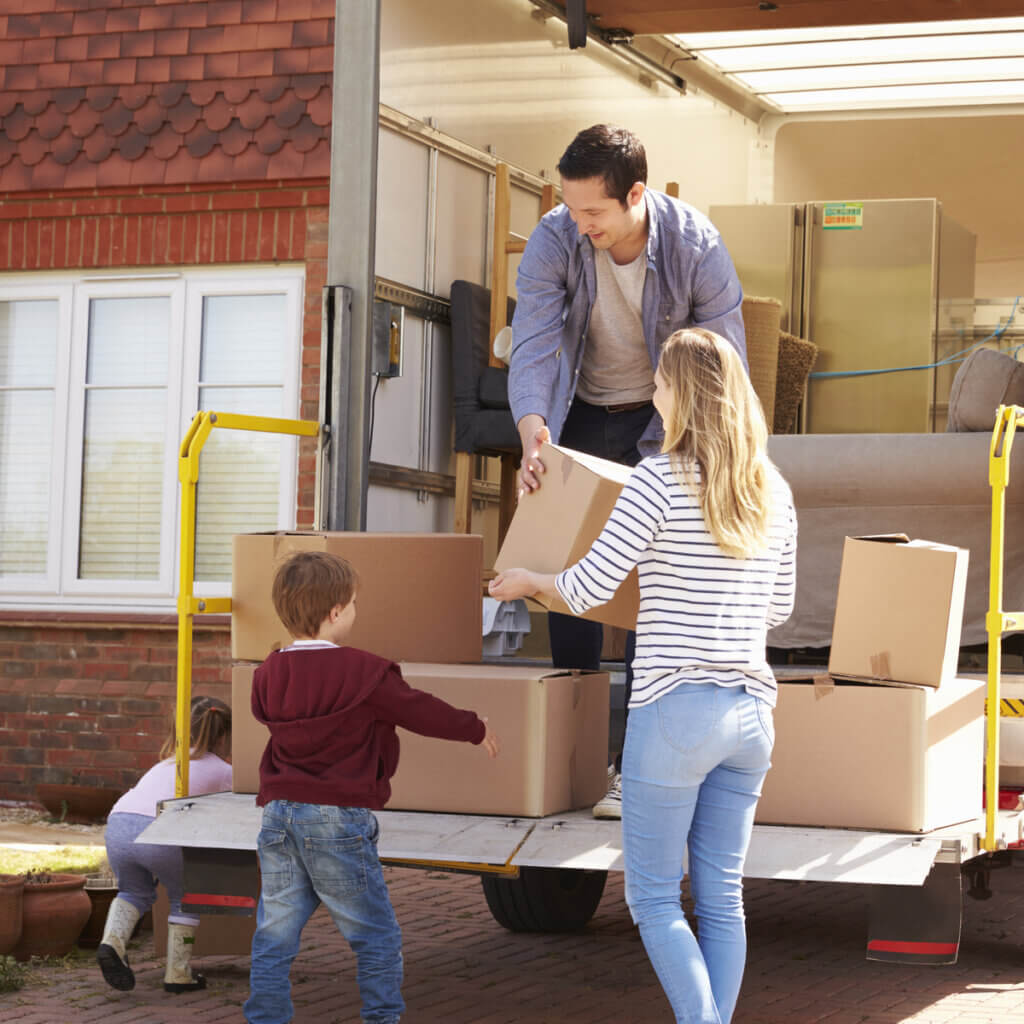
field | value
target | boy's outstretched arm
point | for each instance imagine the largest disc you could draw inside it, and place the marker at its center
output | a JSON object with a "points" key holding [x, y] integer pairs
{"points": [[397, 702]]}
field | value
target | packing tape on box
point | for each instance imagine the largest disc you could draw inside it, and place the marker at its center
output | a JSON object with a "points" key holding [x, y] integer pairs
{"points": [[880, 665], [823, 687]]}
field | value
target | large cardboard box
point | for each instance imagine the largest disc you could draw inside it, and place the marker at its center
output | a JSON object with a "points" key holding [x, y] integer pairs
{"points": [[860, 755], [552, 724], [899, 611], [554, 526], [419, 599], [248, 737], [553, 728]]}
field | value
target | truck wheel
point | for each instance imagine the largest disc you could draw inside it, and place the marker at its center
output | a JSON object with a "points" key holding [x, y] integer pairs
{"points": [[544, 899]]}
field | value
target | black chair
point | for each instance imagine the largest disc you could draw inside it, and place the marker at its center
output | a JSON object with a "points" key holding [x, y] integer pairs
{"points": [[483, 420]]}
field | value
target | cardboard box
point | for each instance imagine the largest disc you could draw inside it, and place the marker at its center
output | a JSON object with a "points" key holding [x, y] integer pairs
{"points": [[899, 611], [553, 727], [554, 526], [419, 597], [248, 737], [860, 755]]}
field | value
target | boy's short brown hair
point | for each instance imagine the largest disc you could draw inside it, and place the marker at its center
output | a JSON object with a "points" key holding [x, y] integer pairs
{"points": [[307, 586]]}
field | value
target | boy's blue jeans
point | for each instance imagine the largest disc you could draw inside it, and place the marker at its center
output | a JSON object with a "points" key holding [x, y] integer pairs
{"points": [[692, 770], [311, 853]]}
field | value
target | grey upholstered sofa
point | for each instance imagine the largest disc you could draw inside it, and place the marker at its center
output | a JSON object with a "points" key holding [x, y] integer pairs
{"points": [[929, 486]]}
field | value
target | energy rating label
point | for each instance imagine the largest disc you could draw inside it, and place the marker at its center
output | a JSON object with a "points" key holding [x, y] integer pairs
{"points": [[842, 216]]}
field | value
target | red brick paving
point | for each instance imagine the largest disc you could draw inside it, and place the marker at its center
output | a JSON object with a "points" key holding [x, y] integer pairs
{"points": [[806, 965]]}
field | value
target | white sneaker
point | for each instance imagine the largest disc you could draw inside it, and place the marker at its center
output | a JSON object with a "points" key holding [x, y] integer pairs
{"points": [[610, 805]]}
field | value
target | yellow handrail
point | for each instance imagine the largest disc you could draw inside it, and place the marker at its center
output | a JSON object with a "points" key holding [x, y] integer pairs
{"points": [[188, 605], [997, 622]]}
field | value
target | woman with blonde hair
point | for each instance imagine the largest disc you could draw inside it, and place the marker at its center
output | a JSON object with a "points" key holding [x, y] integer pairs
{"points": [[709, 524]]}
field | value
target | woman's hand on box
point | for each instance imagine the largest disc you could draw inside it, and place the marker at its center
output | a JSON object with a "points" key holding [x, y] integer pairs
{"points": [[515, 583]]}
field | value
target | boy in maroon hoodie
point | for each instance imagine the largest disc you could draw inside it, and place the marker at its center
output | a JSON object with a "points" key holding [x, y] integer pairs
{"points": [[331, 711]]}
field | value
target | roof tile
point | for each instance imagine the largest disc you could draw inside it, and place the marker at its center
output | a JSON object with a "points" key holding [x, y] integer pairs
{"points": [[116, 118], [23, 26], [153, 69], [50, 123], [287, 162], [67, 100], [321, 107], [272, 89], [268, 138], [56, 23], [157, 17], [185, 68], [256, 63], [81, 173], [48, 174], [306, 135], [321, 58], [20, 77], [34, 103], [224, 12], [119, 72], [103, 47], [11, 51], [184, 114], [7, 149], [218, 113], [133, 143], [83, 120], [135, 96], [234, 139], [8, 101], [259, 10], [150, 117], [86, 72], [274, 35], [33, 148], [166, 143], [123, 19], [39, 51], [251, 165], [220, 65], [172, 42], [54, 76], [202, 93], [201, 140], [138, 44], [288, 110], [17, 124], [311, 33], [291, 62], [71, 48], [98, 147], [307, 86], [237, 91], [170, 93], [66, 147], [115, 170], [87, 23], [253, 111], [100, 96], [208, 40]]}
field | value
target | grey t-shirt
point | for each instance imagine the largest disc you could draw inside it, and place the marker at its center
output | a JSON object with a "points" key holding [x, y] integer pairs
{"points": [[616, 366]]}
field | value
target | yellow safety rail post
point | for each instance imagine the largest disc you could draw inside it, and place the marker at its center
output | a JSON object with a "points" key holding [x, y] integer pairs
{"points": [[997, 622], [188, 605]]}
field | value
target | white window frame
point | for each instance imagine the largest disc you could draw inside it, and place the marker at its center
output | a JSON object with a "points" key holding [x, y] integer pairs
{"points": [[61, 589]]}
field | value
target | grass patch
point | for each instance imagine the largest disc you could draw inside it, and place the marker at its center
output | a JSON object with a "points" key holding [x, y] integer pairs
{"points": [[65, 860]]}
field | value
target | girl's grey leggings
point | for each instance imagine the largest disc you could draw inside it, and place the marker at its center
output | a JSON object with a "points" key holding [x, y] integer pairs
{"points": [[139, 866]]}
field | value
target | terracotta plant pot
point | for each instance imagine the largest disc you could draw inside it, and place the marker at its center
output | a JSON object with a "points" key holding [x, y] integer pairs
{"points": [[80, 805], [54, 911], [100, 898], [11, 890]]}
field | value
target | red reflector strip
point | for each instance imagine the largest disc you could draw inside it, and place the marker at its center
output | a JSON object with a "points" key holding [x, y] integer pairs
{"points": [[924, 948], [218, 899]]}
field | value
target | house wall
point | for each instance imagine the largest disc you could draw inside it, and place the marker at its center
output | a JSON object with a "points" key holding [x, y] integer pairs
{"points": [[88, 699]]}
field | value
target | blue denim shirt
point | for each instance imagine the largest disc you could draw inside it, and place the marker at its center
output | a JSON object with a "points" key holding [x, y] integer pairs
{"points": [[690, 280]]}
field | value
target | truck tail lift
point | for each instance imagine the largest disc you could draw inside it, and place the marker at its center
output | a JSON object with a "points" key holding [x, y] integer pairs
{"points": [[548, 874]]}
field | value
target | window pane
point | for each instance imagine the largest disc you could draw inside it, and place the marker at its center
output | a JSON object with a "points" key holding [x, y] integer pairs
{"points": [[28, 343], [26, 442], [243, 339], [128, 341], [239, 478], [122, 483]]}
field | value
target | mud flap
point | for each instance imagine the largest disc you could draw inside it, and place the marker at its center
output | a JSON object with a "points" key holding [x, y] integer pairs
{"points": [[917, 924], [220, 881]]}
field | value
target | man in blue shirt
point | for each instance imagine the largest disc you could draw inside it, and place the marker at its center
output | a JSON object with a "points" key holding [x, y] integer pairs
{"points": [[605, 278]]}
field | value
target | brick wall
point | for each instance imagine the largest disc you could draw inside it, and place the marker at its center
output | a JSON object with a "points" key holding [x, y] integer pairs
{"points": [[84, 699], [91, 702]]}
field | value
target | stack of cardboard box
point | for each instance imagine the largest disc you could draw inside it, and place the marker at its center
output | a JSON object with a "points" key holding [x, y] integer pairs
{"points": [[420, 604], [888, 737]]}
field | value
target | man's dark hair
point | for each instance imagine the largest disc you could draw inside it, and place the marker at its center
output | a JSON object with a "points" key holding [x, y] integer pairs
{"points": [[604, 151]]}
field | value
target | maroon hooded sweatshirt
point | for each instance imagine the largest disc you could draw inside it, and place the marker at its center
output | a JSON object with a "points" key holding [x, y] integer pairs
{"points": [[332, 712]]}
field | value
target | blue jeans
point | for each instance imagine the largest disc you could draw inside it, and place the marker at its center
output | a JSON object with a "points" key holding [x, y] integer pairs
{"points": [[692, 770], [575, 642], [311, 853]]}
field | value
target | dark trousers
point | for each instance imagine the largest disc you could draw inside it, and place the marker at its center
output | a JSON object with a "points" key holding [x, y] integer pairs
{"points": [[576, 643]]}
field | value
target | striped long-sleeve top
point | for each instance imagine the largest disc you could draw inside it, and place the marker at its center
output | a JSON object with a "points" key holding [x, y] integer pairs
{"points": [[704, 615]]}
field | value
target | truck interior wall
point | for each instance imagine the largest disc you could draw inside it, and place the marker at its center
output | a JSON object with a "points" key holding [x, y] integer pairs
{"points": [[970, 163], [495, 76]]}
